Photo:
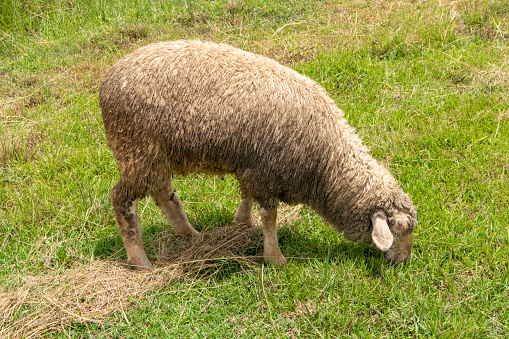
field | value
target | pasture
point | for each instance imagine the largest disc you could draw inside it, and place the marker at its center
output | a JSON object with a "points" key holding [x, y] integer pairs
{"points": [[426, 85]]}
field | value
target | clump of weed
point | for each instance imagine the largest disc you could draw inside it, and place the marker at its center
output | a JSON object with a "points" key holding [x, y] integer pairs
{"points": [[484, 21], [120, 37], [18, 140], [89, 74], [191, 18], [394, 49]]}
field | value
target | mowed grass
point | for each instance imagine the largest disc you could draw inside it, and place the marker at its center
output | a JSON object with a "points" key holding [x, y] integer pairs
{"points": [[426, 84]]}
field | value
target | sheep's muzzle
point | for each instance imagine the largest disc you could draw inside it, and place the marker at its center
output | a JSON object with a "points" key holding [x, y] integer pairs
{"points": [[401, 249]]}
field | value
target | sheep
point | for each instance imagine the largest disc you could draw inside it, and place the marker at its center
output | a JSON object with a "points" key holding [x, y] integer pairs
{"points": [[179, 107]]}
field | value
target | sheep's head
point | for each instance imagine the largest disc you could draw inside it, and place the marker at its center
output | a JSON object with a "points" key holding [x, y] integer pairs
{"points": [[387, 225], [393, 235]]}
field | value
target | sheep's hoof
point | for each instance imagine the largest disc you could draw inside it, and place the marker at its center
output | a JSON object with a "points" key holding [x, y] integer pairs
{"points": [[188, 232], [243, 222], [242, 219], [142, 266], [279, 261]]}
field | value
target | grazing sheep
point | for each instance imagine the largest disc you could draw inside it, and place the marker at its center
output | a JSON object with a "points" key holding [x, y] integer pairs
{"points": [[192, 106]]}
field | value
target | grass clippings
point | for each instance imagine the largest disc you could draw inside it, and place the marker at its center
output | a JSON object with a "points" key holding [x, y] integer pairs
{"points": [[91, 292], [86, 294]]}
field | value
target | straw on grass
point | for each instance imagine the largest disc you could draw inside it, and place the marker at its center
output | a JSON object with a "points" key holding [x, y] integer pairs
{"points": [[90, 293]]}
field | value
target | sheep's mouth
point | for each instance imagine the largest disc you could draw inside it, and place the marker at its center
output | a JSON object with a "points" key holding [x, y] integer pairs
{"points": [[395, 263]]}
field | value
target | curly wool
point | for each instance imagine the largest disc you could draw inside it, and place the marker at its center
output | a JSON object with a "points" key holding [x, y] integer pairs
{"points": [[192, 106]]}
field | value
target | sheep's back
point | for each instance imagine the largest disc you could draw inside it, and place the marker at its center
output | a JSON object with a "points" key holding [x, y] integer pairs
{"points": [[206, 107]]}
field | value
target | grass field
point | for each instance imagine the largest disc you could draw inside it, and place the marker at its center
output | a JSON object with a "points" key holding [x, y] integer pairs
{"points": [[426, 84]]}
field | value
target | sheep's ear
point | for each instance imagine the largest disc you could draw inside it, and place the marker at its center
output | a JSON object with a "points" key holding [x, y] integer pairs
{"points": [[382, 236]]}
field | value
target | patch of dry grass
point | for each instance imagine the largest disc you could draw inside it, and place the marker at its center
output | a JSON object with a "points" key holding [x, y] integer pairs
{"points": [[18, 138], [84, 294], [90, 292]]}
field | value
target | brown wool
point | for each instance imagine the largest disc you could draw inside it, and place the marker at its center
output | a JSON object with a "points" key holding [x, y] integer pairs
{"points": [[191, 106]]}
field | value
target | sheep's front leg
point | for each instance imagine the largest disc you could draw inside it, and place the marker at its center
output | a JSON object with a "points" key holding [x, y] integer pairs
{"points": [[129, 225], [271, 251], [243, 213], [172, 208]]}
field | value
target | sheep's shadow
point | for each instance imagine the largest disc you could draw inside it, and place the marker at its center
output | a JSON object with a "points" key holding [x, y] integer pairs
{"points": [[228, 248]]}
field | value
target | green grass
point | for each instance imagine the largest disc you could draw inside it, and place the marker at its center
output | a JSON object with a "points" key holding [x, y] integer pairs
{"points": [[426, 84]]}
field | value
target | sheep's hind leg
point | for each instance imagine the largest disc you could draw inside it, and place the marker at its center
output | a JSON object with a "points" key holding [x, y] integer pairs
{"points": [[271, 251], [173, 210], [243, 214], [129, 225]]}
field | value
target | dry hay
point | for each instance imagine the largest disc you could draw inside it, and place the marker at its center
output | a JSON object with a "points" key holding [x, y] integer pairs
{"points": [[90, 293]]}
